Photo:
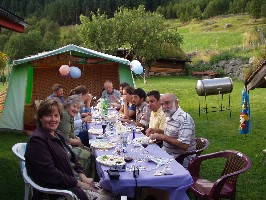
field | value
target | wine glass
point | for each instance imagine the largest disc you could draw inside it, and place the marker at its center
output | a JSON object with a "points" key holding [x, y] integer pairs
{"points": [[145, 143], [104, 125]]}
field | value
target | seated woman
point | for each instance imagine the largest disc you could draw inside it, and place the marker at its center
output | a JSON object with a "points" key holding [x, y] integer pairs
{"points": [[128, 109], [71, 108], [81, 119], [51, 163]]}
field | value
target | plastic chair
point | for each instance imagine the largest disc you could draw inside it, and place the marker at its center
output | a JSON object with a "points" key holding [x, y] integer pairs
{"points": [[225, 186], [68, 194], [19, 150], [201, 144]]}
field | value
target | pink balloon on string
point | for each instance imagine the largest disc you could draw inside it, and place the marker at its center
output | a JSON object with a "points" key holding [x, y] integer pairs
{"points": [[64, 70]]}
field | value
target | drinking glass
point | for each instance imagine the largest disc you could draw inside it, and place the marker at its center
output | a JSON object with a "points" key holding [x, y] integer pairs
{"points": [[145, 143], [136, 152], [104, 125]]}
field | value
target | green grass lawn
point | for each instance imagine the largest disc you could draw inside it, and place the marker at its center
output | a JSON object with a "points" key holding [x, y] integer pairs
{"points": [[221, 130], [211, 34]]}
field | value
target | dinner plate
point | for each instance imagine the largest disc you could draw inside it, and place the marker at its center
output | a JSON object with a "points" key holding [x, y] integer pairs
{"points": [[102, 145], [139, 140], [96, 131], [110, 160], [139, 129]]}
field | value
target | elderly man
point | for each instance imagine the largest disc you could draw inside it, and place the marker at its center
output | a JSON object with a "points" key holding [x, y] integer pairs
{"points": [[58, 92], [178, 135], [157, 118], [112, 95]]}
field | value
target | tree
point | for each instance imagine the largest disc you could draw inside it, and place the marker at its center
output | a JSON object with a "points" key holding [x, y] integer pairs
{"points": [[3, 60], [197, 13], [254, 8], [71, 35], [143, 33], [40, 35], [21, 45], [263, 8], [216, 7], [237, 6]]}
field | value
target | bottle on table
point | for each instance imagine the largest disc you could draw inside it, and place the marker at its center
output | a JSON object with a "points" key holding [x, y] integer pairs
{"points": [[104, 106]]}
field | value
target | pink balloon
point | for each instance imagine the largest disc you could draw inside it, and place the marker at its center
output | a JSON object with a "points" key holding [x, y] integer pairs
{"points": [[64, 70]]}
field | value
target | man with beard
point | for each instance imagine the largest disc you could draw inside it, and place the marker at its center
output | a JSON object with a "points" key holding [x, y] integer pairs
{"points": [[178, 135]]}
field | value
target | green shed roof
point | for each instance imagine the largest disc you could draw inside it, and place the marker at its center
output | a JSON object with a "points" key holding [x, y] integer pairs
{"points": [[74, 51]]}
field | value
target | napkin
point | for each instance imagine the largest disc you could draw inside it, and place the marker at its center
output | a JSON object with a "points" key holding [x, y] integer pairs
{"points": [[167, 171], [158, 173]]}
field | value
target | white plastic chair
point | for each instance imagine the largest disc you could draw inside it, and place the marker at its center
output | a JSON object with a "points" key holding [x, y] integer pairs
{"points": [[68, 194], [19, 150]]}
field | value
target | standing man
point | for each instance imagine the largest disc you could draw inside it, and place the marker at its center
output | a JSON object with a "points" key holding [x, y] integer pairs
{"points": [[178, 135], [112, 95], [157, 118], [58, 92]]}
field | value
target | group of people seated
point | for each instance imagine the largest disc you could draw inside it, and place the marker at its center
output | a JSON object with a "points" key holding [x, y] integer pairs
{"points": [[58, 153]]}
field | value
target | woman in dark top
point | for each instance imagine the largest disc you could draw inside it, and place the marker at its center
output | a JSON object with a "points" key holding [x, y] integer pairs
{"points": [[51, 163], [128, 109]]}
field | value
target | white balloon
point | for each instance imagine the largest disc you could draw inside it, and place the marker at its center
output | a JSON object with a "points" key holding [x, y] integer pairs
{"points": [[138, 69], [135, 64]]}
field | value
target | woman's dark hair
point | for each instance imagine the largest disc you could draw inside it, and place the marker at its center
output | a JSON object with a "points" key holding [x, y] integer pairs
{"points": [[123, 85], [129, 89], [81, 89], [140, 92], [46, 107]]}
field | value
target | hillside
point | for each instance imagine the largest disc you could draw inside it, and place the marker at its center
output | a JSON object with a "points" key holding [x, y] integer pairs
{"points": [[211, 34]]}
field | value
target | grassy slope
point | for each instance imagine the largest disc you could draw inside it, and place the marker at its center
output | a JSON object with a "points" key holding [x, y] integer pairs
{"points": [[221, 130], [197, 37]]}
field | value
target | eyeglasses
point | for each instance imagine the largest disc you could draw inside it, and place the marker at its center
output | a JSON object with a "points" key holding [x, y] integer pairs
{"points": [[166, 103]]}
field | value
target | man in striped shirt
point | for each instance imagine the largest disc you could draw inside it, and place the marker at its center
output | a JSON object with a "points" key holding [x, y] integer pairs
{"points": [[178, 135]]}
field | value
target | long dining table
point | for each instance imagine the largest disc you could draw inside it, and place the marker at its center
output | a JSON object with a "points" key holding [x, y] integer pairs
{"points": [[176, 184]]}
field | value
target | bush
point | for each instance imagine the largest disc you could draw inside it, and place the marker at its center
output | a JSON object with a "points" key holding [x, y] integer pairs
{"points": [[2, 78], [220, 57], [198, 68]]}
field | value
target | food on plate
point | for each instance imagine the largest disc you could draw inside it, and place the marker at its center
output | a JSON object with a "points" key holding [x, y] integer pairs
{"points": [[139, 140], [95, 131], [102, 145], [139, 129], [110, 160]]}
